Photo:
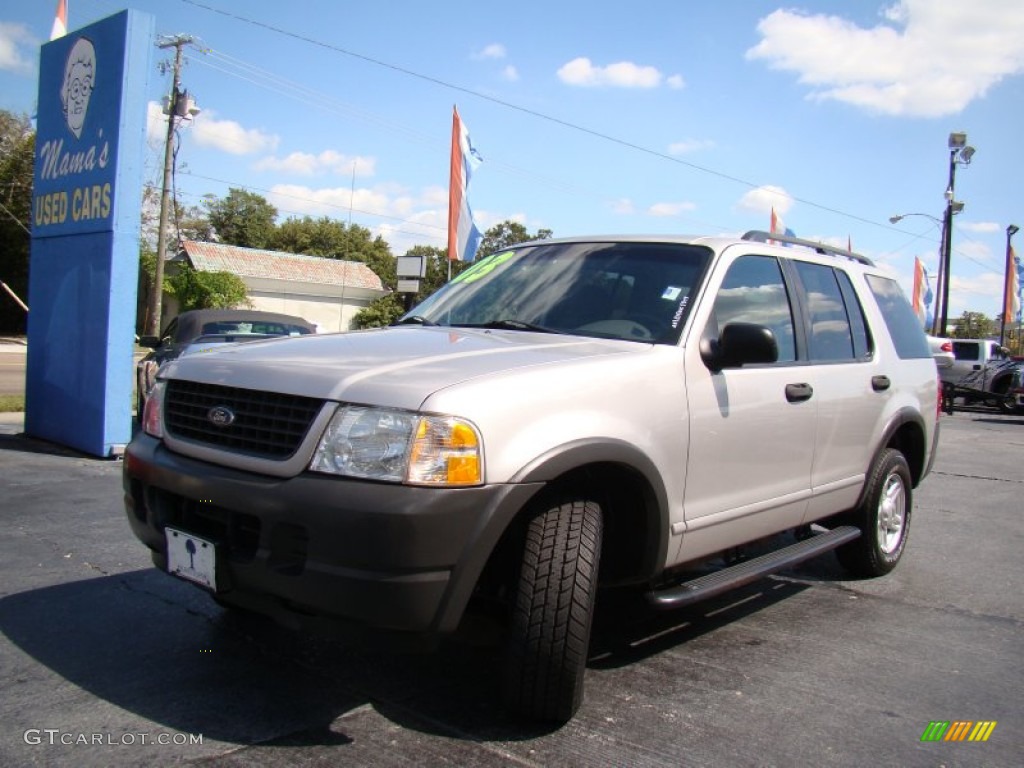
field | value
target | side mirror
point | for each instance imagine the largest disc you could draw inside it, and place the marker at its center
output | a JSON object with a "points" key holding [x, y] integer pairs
{"points": [[739, 344], [152, 342]]}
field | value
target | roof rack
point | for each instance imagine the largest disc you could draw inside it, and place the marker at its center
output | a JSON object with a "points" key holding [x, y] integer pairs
{"points": [[760, 236]]}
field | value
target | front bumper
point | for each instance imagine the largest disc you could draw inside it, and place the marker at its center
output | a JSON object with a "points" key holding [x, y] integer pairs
{"points": [[314, 546]]}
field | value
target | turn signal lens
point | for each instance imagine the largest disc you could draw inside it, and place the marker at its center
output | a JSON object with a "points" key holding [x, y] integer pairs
{"points": [[446, 451], [152, 414]]}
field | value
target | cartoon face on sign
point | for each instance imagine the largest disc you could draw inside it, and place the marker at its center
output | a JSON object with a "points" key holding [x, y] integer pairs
{"points": [[79, 80]]}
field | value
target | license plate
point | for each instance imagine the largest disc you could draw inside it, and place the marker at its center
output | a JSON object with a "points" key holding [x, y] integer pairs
{"points": [[192, 558]]}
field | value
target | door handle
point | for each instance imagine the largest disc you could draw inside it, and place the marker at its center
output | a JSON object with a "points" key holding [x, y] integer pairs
{"points": [[880, 383], [798, 393]]}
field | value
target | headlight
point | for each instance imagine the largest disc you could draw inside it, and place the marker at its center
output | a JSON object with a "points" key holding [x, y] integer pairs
{"points": [[152, 416], [400, 446]]}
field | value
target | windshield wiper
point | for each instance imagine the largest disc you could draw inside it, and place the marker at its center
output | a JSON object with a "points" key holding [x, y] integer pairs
{"points": [[507, 324], [414, 320]]}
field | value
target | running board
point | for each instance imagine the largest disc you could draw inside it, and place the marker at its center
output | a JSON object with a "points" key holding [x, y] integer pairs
{"points": [[729, 578]]}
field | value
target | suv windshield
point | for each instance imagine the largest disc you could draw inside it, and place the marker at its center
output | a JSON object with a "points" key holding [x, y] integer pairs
{"points": [[630, 291]]}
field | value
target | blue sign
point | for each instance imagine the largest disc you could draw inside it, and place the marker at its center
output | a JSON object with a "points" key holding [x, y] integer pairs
{"points": [[86, 206]]}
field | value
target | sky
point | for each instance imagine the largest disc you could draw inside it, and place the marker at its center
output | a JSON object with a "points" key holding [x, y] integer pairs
{"points": [[654, 117]]}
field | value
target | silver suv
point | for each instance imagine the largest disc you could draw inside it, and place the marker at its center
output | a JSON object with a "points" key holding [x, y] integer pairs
{"points": [[565, 414]]}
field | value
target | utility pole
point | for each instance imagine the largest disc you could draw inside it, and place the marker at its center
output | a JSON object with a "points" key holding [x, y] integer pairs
{"points": [[156, 300]]}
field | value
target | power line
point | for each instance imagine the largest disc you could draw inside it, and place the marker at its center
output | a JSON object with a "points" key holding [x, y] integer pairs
{"points": [[509, 105]]}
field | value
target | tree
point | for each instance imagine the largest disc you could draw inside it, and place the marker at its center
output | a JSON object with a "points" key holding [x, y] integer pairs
{"points": [[337, 240], [507, 233], [17, 157], [381, 312], [207, 290], [242, 218], [974, 325], [186, 222]]}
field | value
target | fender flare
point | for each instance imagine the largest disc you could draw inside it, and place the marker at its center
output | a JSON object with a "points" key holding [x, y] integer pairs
{"points": [[565, 458]]}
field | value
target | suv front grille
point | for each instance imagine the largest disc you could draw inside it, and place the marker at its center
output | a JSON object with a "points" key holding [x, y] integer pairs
{"points": [[264, 424]]}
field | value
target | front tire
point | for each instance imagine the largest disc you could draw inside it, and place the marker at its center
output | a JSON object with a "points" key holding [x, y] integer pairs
{"points": [[553, 611], [883, 518]]}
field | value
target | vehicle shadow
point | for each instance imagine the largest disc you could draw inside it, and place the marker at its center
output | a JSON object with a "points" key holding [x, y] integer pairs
{"points": [[23, 443], [628, 629], [160, 649]]}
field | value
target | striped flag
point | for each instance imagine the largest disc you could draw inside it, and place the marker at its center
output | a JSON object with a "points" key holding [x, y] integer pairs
{"points": [[60, 21], [1012, 309], [776, 227], [922, 295], [463, 236], [1020, 283]]}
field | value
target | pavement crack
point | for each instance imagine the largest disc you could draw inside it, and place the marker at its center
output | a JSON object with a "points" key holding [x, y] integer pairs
{"points": [[986, 478], [948, 608]]}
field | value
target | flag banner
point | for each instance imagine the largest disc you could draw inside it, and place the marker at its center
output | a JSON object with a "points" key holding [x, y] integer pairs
{"points": [[777, 227], [60, 20], [463, 235], [1012, 309], [1020, 283], [922, 295]]}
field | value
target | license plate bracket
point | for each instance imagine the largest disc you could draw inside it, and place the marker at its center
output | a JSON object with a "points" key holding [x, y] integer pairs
{"points": [[192, 558]]}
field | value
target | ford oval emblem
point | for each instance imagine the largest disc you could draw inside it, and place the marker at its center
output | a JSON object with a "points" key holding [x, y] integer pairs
{"points": [[220, 416]]}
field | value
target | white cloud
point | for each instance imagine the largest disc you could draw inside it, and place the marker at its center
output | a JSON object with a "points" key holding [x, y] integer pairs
{"points": [[763, 199], [229, 136], [328, 201], [16, 46], [328, 161], [689, 145], [981, 227], [623, 74], [669, 209], [926, 59], [675, 81], [623, 206], [156, 124], [510, 73], [402, 218], [980, 293], [492, 51]]}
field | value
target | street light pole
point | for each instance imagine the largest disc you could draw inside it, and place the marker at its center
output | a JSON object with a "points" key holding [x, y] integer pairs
{"points": [[959, 153], [1011, 230], [941, 273]]}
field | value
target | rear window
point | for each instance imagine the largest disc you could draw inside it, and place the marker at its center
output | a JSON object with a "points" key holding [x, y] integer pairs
{"points": [[966, 350], [263, 327], [904, 327]]}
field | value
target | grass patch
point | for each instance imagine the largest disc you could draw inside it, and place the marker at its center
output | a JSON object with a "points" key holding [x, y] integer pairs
{"points": [[12, 403]]}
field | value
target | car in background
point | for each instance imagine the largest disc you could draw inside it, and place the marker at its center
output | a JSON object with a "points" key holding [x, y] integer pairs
{"points": [[998, 383], [973, 355], [942, 351], [200, 329]]}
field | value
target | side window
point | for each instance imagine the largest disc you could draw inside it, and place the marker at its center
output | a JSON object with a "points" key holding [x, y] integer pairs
{"points": [[831, 336], [862, 342], [754, 292], [904, 326]]}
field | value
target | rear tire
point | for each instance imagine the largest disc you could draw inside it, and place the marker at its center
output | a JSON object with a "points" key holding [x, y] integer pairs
{"points": [[553, 611], [883, 518]]}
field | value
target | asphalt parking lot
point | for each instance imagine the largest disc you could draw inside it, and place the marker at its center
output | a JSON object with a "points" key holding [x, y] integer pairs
{"points": [[106, 662]]}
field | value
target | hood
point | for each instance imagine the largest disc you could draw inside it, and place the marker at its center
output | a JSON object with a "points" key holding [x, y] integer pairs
{"points": [[398, 367]]}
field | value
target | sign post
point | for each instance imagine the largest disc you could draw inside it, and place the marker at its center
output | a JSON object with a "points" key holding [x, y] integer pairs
{"points": [[86, 206]]}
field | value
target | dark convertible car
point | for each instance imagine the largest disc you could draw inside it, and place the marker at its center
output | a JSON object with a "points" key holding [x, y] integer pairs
{"points": [[201, 328]]}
